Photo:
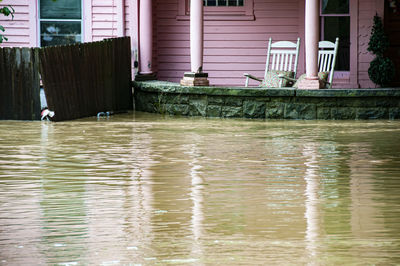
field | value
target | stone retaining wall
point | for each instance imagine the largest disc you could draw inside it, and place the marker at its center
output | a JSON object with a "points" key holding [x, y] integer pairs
{"points": [[281, 103]]}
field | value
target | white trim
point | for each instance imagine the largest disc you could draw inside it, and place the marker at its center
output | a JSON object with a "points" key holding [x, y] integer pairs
{"points": [[33, 40], [87, 20], [220, 13], [134, 33], [61, 19], [120, 18]]}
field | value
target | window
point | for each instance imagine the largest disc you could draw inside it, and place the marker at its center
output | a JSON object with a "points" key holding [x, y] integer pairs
{"points": [[335, 22], [60, 22], [223, 2], [220, 10]]}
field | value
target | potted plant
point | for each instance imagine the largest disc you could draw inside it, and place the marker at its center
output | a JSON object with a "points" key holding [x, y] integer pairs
{"points": [[381, 70]]}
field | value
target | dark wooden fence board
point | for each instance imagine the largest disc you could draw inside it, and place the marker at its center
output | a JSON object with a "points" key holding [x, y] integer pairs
{"points": [[82, 80], [19, 84]]}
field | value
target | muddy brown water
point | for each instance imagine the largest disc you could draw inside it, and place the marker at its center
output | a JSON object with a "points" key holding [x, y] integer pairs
{"points": [[145, 189]]}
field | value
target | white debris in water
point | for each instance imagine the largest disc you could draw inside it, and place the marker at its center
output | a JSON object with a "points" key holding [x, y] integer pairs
{"points": [[113, 262], [160, 211], [132, 248], [69, 263], [180, 260], [59, 245]]}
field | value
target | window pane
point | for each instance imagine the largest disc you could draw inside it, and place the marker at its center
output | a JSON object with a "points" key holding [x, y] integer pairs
{"points": [[60, 9], [58, 33], [339, 27], [335, 6], [211, 3], [233, 3], [223, 2]]}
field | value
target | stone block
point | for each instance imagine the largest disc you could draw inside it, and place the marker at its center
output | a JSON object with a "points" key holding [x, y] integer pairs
{"points": [[232, 111], [198, 106], [319, 102], [394, 113], [356, 102], [324, 113], [343, 113], [274, 110], [177, 98], [216, 100], [254, 109], [146, 102], [300, 111], [233, 101], [372, 113], [387, 102], [177, 109], [214, 110]]}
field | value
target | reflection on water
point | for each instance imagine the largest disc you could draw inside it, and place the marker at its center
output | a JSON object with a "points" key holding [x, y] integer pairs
{"points": [[147, 189]]}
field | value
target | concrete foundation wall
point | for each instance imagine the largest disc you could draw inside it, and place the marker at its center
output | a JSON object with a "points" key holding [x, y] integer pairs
{"points": [[287, 103]]}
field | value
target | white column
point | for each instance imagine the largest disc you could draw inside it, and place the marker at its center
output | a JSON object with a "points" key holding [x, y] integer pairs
{"points": [[312, 37], [196, 35], [311, 41], [196, 76], [145, 37]]}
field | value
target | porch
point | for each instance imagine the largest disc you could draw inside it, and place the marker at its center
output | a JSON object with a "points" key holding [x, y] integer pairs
{"points": [[266, 103], [178, 38]]}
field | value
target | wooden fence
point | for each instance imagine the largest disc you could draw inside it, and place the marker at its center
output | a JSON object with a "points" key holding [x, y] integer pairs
{"points": [[82, 80], [19, 84]]}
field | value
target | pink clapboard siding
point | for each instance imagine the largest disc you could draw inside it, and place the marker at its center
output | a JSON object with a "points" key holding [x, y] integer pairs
{"points": [[21, 30], [234, 47], [100, 21], [105, 19], [230, 47]]}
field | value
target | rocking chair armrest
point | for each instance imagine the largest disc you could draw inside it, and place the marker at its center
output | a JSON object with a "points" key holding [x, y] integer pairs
{"points": [[251, 76], [282, 76]]}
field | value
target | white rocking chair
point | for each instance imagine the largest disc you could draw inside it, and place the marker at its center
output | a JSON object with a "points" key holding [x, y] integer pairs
{"points": [[327, 52], [327, 59], [282, 56]]}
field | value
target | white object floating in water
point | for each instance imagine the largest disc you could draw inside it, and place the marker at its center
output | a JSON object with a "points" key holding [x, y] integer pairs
{"points": [[47, 114]]}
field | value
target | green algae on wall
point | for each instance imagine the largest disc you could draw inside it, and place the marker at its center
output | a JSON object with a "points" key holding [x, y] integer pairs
{"points": [[262, 103]]}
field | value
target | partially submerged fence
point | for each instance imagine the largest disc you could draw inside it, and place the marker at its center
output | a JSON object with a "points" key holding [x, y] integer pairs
{"points": [[19, 84], [79, 80], [82, 80]]}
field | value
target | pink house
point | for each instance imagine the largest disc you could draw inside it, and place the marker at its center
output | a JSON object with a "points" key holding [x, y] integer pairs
{"points": [[168, 33]]}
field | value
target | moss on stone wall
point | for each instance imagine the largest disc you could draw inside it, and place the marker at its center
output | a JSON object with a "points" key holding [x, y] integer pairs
{"points": [[280, 103]]}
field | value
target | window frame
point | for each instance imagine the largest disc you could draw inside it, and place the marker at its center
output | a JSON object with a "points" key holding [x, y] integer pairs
{"points": [[350, 76], [81, 20], [219, 13]]}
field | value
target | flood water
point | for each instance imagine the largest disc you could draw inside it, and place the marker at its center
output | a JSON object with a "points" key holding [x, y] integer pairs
{"points": [[145, 189]]}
